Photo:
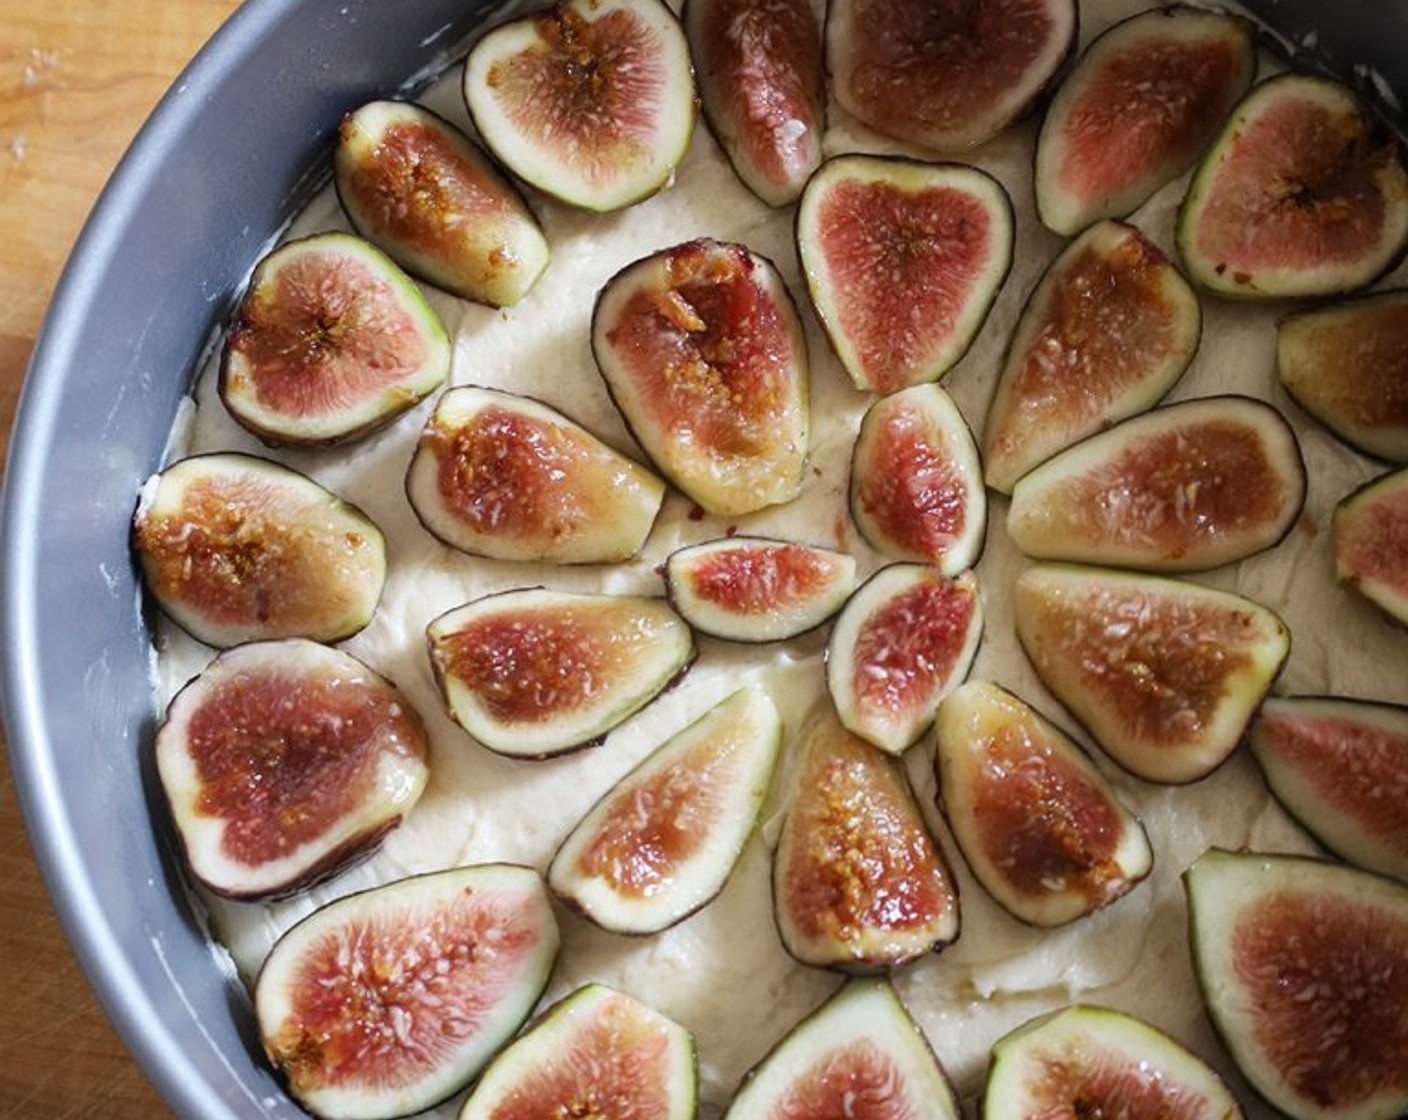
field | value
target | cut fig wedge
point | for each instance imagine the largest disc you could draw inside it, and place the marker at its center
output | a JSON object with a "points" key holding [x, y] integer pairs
{"points": [[330, 341], [1108, 330], [417, 187], [663, 841], [702, 350], [1304, 193], [1142, 104], [533, 673], [904, 641], [1301, 967], [903, 260], [500, 475], [1184, 488], [591, 101], [916, 490], [389, 1001], [1164, 674], [1040, 827], [236, 548], [1371, 543]]}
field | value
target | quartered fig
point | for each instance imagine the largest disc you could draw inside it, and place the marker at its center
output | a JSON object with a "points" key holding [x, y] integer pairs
{"points": [[1301, 964], [386, 1002], [1302, 194], [663, 841], [417, 187], [236, 549], [591, 101], [1105, 334], [903, 260], [329, 342], [1165, 674], [702, 350], [901, 644], [1186, 487], [505, 476], [1371, 543], [1040, 827], [533, 672], [1142, 104]]}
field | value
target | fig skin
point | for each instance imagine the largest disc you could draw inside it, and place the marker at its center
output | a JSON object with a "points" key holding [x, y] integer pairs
{"points": [[1370, 529]]}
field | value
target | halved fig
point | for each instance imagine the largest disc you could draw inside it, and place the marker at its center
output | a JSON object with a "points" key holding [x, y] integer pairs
{"points": [[1143, 102], [590, 101], [1165, 674], [329, 342], [858, 883], [533, 673], [236, 548], [500, 475], [916, 490], [945, 76], [1039, 825], [904, 641], [753, 589], [1186, 487], [664, 839], [386, 1002], [285, 761], [1340, 767], [858, 1055], [417, 187], [1304, 193], [903, 260], [702, 350], [1371, 543], [1301, 966], [1105, 334]]}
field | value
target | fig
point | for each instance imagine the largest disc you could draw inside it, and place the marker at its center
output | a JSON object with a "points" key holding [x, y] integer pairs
{"points": [[499, 475], [415, 185], [283, 762], [1184, 488], [754, 589], [236, 548], [1301, 966], [664, 839], [904, 641], [903, 260], [1040, 827], [596, 1053], [702, 351], [1107, 331], [858, 883], [590, 101], [1144, 101], [916, 490], [330, 341], [760, 75], [1303, 193], [533, 673], [945, 76], [1340, 767], [1163, 673], [1370, 528], [386, 1002], [1347, 365]]}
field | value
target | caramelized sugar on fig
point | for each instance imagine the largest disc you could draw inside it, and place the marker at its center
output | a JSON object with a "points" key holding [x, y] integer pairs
{"points": [[1371, 543]]}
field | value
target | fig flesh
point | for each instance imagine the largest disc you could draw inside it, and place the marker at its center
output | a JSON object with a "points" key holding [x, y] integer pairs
{"points": [[504, 476], [235, 548], [1301, 966], [1371, 543], [1107, 331], [702, 350], [1164, 674], [876, 235], [329, 342], [1186, 487], [533, 673], [386, 1002]]}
